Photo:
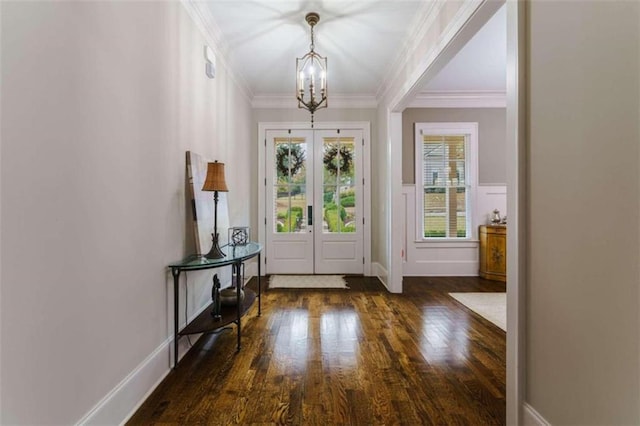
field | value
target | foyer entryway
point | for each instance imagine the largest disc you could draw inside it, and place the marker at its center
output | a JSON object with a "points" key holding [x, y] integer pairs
{"points": [[314, 188]]}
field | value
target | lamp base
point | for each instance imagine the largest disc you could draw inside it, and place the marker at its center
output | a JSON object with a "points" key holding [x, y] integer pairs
{"points": [[215, 252]]}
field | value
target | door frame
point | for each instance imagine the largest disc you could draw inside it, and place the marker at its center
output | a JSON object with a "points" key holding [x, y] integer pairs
{"points": [[365, 127], [516, 157]]}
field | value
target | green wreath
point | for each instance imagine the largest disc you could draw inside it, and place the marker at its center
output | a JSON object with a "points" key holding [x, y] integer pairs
{"points": [[289, 157], [333, 162]]}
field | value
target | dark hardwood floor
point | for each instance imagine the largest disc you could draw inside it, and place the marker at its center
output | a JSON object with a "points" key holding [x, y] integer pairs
{"points": [[345, 357]]}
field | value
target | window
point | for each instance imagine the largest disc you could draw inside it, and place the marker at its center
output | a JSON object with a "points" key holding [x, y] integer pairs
{"points": [[446, 158]]}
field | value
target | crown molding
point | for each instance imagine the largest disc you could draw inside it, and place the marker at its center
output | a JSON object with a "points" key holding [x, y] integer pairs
{"points": [[461, 99], [201, 16], [432, 37], [335, 101], [422, 21]]}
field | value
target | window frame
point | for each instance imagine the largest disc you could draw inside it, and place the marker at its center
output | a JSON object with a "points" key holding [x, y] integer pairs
{"points": [[470, 131]]}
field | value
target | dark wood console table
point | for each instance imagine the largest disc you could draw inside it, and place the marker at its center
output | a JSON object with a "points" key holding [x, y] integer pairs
{"points": [[205, 323]]}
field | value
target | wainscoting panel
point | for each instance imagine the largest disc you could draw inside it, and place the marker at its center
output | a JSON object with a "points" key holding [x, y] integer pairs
{"points": [[446, 258]]}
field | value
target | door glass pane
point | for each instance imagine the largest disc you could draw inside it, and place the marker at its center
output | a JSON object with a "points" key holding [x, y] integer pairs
{"points": [[331, 213], [339, 211], [290, 198], [347, 196], [329, 160]]}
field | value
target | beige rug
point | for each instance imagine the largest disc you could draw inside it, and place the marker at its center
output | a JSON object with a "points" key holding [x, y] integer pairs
{"points": [[307, 281], [491, 306]]}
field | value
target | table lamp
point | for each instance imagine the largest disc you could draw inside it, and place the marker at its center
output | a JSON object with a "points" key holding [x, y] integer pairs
{"points": [[215, 182]]}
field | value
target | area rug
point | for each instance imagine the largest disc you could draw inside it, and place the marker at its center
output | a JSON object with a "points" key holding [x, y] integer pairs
{"points": [[491, 306], [307, 281]]}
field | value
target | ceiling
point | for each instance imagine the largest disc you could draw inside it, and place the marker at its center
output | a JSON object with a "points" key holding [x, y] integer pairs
{"points": [[361, 39]]}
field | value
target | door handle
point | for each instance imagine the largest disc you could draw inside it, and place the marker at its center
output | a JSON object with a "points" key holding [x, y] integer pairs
{"points": [[309, 215]]}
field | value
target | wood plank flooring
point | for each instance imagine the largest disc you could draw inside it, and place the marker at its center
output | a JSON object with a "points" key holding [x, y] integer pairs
{"points": [[345, 357]]}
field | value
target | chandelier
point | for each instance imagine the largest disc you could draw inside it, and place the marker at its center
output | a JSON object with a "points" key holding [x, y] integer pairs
{"points": [[311, 75]]}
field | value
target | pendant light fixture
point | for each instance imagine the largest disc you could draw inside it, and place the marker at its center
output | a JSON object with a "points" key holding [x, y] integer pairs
{"points": [[311, 75]]}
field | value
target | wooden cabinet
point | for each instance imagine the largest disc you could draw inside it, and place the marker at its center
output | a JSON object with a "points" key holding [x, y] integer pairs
{"points": [[493, 252]]}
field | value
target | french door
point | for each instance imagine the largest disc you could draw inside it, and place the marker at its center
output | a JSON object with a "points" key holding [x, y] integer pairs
{"points": [[314, 193]]}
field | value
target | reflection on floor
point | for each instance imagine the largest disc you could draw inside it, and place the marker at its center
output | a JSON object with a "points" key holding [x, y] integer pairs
{"points": [[358, 356]]}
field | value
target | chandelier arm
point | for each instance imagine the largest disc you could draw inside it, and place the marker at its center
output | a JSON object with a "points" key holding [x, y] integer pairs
{"points": [[311, 105]]}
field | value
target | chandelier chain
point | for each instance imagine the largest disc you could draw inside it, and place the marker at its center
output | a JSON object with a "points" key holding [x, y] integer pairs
{"points": [[311, 72]]}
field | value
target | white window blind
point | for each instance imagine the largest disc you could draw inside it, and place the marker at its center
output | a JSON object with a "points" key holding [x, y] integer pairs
{"points": [[444, 185], [446, 164]]}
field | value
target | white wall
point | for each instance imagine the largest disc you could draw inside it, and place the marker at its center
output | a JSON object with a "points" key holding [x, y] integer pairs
{"points": [[100, 101], [583, 330]]}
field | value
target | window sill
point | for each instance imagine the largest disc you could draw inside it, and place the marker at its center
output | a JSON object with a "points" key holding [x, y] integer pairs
{"points": [[446, 243]]}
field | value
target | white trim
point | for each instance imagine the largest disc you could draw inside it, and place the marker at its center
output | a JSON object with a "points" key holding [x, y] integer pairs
{"points": [[446, 46], [201, 16], [434, 258], [335, 101], [446, 243], [127, 396], [1, 341], [251, 270], [530, 417], [470, 130], [446, 269], [206, 24], [117, 406], [365, 126], [516, 159], [410, 76], [381, 273], [419, 66], [396, 221], [460, 99], [423, 20]]}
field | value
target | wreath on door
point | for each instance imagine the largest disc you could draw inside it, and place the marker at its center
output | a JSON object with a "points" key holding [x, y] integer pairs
{"points": [[338, 159], [289, 157]]}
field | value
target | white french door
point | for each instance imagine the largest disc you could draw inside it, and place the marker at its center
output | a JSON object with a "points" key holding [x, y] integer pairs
{"points": [[289, 192], [314, 202]]}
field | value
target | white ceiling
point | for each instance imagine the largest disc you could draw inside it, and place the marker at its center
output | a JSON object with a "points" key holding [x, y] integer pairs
{"points": [[361, 39], [481, 65]]}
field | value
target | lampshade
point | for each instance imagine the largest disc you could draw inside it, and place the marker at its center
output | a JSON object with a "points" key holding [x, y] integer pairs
{"points": [[215, 178]]}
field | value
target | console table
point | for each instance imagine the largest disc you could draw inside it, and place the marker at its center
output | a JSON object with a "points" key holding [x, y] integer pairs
{"points": [[205, 323]]}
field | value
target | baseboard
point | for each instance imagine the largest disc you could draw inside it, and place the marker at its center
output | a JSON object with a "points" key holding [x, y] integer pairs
{"points": [[251, 269], [379, 271], [530, 417], [122, 401], [128, 395], [441, 268]]}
